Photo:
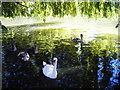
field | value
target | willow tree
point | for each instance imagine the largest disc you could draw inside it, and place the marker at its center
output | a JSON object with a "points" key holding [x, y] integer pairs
{"points": [[99, 9], [60, 9]]}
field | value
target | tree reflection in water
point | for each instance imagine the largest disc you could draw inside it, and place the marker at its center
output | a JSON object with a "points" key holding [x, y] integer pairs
{"points": [[86, 67], [113, 76]]}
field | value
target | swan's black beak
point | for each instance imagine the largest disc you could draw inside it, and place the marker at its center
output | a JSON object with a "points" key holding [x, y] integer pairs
{"points": [[52, 61]]}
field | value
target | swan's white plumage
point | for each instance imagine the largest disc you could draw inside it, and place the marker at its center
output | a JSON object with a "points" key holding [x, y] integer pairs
{"points": [[50, 70], [44, 63]]}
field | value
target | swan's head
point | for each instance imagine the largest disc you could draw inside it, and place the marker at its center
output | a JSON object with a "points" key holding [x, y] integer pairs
{"points": [[81, 35], [55, 60]]}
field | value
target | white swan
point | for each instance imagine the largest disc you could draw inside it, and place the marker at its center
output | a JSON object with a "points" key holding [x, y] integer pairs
{"points": [[50, 70]]}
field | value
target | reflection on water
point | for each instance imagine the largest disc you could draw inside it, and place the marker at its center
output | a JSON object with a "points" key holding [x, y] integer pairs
{"points": [[109, 72], [89, 65]]}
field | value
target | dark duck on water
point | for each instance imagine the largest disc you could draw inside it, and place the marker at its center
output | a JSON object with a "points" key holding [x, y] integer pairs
{"points": [[24, 55], [11, 47], [79, 40], [35, 48]]}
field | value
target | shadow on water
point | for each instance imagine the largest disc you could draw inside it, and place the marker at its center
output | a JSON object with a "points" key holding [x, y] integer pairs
{"points": [[89, 66]]}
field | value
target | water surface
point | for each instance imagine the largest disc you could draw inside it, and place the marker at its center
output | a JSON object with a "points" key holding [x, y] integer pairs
{"points": [[89, 65]]}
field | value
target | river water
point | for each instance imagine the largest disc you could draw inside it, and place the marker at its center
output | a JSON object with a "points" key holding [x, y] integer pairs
{"points": [[90, 65]]}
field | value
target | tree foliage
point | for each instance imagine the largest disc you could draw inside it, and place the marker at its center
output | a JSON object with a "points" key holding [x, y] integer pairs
{"points": [[44, 9]]}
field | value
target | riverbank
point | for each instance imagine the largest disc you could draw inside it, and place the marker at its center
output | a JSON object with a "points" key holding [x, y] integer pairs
{"points": [[94, 26]]}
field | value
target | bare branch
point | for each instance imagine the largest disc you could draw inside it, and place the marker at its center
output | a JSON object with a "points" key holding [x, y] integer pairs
{"points": [[21, 4]]}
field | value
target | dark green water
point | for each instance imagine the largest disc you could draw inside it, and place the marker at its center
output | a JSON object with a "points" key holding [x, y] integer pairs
{"points": [[89, 66]]}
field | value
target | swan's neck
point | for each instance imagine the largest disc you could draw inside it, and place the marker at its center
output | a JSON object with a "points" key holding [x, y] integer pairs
{"points": [[81, 37], [55, 67]]}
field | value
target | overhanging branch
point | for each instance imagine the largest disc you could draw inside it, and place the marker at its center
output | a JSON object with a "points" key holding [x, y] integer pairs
{"points": [[21, 4]]}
